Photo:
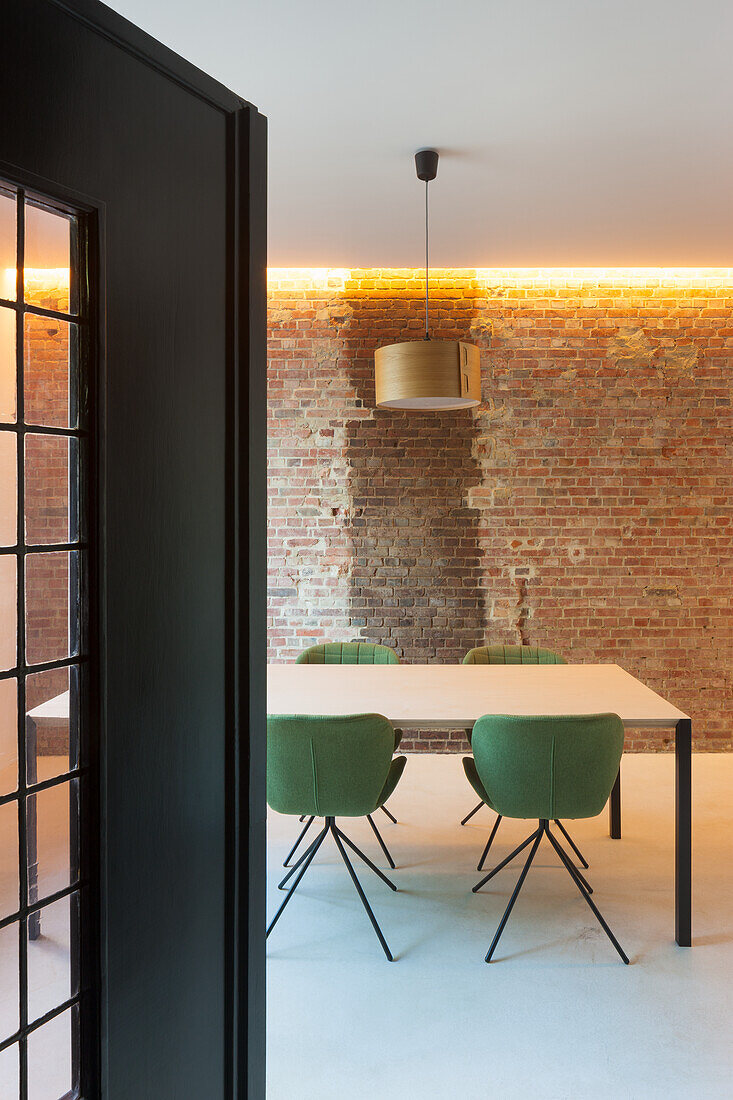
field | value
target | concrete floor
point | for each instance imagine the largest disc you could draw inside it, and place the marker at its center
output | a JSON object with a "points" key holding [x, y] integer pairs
{"points": [[557, 1016]]}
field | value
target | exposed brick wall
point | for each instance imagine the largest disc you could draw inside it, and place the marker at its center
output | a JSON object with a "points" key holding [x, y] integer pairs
{"points": [[586, 505], [46, 399], [46, 371]]}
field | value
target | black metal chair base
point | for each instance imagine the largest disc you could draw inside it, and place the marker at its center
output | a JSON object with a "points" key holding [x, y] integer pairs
{"points": [[382, 845], [307, 858], [475, 810], [489, 842], [581, 858], [309, 822], [583, 886]]}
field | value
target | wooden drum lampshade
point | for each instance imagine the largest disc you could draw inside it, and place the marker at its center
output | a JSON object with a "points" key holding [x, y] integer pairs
{"points": [[424, 375], [428, 374]]}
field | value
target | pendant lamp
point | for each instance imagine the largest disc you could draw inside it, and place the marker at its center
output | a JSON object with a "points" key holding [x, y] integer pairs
{"points": [[427, 375]]}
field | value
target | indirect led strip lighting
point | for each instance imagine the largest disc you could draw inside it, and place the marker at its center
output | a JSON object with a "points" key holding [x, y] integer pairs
{"points": [[335, 278], [38, 276], [326, 278]]}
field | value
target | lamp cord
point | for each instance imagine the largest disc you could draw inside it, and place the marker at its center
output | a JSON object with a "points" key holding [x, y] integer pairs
{"points": [[427, 260]]}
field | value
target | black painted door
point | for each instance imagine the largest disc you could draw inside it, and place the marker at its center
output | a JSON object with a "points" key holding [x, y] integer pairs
{"points": [[163, 172]]}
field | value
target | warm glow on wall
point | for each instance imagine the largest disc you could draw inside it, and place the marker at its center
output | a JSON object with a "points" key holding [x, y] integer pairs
{"points": [[615, 276], [316, 278], [335, 278], [37, 279]]}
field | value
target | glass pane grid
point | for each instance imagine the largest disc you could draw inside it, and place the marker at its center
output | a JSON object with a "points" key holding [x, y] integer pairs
{"points": [[40, 565]]}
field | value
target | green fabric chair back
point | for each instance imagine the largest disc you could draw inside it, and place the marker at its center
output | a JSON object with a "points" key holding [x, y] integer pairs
{"points": [[548, 767], [348, 653], [512, 655], [328, 766]]}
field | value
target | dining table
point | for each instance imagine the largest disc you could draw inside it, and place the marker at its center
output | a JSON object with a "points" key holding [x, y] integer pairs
{"points": [[54, 709], [447, 697]]}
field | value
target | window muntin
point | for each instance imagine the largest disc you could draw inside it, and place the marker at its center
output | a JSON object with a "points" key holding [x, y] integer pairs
{"points": [[44, 330]]}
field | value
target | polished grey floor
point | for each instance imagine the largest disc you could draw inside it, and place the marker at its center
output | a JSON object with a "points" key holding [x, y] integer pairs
{"points": [[557, 1016]]}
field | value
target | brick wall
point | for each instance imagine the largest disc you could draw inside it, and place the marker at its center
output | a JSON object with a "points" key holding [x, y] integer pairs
{"points": [[586, 505], [47, 474], [46, 371]]}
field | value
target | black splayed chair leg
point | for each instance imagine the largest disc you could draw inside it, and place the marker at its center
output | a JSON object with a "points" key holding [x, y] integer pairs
{"points": [[489, 842], [566, 861], [303, 856], [515, 895], [581, 858], [391, 816], [363, 857], [509, 858], [475, 810], [308, 860], [574, 874], [295, 847], [362, 895], [382, 845]]}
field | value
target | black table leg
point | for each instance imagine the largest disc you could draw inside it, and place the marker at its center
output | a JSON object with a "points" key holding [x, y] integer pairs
{"points": [[614, 809], [31, 826], [683, 833]]}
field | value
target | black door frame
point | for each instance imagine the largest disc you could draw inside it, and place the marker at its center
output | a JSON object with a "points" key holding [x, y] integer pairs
{"points": [[246, 212], [85, 968], [248, 546]]}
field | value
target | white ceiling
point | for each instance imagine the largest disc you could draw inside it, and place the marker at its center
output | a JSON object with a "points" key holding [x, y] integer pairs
{"points": [[572, 132]]}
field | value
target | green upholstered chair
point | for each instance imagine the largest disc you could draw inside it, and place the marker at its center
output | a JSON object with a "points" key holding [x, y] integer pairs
{"points": [[349, 653], [514, 655], [331, 766], [545, 768]]}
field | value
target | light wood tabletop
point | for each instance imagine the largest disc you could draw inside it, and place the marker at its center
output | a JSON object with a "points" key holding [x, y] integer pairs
{"points": [[454, 696]]}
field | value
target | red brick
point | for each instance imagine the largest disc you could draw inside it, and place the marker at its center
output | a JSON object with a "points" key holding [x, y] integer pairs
{"points": [[584, 506]]}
